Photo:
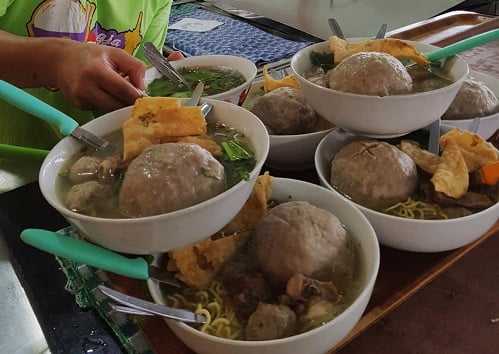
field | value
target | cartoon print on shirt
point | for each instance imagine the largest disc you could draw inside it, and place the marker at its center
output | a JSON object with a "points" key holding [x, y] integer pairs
{"points": [[61, 18], [72, 19], [127, 40]]}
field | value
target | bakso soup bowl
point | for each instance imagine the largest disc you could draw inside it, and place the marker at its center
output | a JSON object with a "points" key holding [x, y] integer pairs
{"points": [[402, 233], [159, 233], [388, 115], [321, 339], [289, 152], [236, 95], [488, 124], [294, 152]]}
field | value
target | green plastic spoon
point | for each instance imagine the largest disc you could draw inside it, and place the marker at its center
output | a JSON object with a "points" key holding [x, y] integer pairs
{"points": [[14, 152], [462, 46], [84, 252]]}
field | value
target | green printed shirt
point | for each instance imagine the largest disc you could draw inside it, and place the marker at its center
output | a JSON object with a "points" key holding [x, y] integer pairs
{"points": [[125, 24]]}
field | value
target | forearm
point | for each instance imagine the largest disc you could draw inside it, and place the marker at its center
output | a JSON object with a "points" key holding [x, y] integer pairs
{"points": [[30, 62]]}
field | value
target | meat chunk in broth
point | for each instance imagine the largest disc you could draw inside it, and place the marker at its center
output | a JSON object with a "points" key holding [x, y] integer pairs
{"points": [[85, 197], [271, 322], [300, 287], [169, 177], [84, 169]]}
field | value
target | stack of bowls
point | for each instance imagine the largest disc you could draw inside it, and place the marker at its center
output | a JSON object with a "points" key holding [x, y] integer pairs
{"points": [[363, 116]]}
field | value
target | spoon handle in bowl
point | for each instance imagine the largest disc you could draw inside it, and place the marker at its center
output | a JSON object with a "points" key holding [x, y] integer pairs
{"points": [[30, 104], [84, 252], [464, 45]]}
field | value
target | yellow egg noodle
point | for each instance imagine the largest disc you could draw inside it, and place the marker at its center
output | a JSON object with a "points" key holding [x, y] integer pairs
{"points": [[221, 319]]}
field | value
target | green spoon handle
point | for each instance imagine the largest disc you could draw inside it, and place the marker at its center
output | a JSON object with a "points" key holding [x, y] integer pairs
{"points": [[13, 152], [86, 253], [30, 104], [464, 45]]}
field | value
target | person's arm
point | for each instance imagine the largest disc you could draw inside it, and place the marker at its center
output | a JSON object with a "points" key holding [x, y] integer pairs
{"points": [[89, 75]]}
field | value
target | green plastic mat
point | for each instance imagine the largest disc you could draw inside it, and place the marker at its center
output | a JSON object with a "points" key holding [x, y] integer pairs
{"points": [[82, 282]]}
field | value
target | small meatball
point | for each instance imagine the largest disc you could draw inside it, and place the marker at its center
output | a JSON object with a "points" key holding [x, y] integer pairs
{"points": [[374, 174], [84, 169], [285, 112], [271, 322], [169, 177], [297, 237], [474, 99], [300, 287], [371, 73], [85, 197]]}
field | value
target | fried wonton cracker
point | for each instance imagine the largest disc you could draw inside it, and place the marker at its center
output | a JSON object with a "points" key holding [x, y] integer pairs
{"points": [[270, 84], [399, 49], [424, 159], [452, 175], [196, 265], [149, 125], [254, 209], [475, 150]]}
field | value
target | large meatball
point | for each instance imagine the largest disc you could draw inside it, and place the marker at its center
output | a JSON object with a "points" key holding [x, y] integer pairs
{"points": [[474, 99], [297, 237], [374, 174], [371, 73], [285, 112], [169, 177]]}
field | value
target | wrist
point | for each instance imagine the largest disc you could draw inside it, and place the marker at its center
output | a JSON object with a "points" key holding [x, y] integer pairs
{"points": [[51, 57]]}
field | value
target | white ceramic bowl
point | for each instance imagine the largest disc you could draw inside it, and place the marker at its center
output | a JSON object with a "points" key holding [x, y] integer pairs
{"points": [[158, 233], [488, 124], [319, 340], [389, 115], [288, 152], [407, 234], [236, 95]]}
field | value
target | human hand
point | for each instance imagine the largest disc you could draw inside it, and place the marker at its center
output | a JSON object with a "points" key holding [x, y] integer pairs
{"points": [[99, 77]]}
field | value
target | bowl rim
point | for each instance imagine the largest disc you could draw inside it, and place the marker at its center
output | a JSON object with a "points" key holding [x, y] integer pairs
{"points": [[304, 135], [369, 283], [53, 200], [302, 52], [325, 182], [232, 91]]}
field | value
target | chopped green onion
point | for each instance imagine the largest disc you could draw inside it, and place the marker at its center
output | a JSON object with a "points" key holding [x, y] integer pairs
{"points": [[235, 151]]}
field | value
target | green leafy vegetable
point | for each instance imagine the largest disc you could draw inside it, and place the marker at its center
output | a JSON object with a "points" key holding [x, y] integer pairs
{"points": [[238, 161], [235, 151], [216, 80], [323, 60]]}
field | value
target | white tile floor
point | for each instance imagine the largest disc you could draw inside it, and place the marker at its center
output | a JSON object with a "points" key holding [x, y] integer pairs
{"points": [[19, 329]]}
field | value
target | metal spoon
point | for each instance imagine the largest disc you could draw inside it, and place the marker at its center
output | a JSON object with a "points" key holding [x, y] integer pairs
{"points": [[335, 28], [151, 307], [382, 31], [433, 143], [475, 125], [163, 65]]}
